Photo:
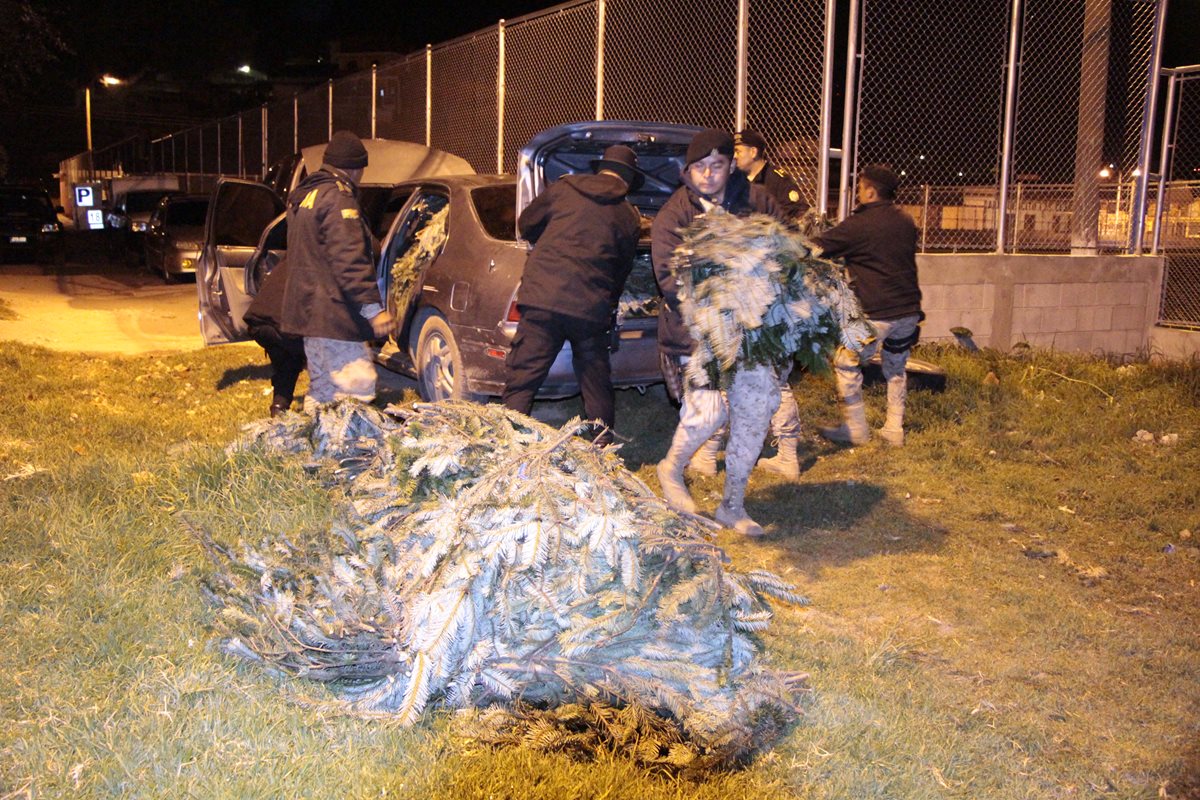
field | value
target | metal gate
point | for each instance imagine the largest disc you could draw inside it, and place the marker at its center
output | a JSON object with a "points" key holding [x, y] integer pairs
{"points": [[1176, 227]]}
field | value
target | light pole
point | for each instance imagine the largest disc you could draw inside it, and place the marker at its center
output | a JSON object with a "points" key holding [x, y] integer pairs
{"points": [[104, 80]]}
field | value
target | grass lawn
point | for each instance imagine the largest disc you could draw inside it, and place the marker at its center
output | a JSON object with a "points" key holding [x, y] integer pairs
{"points": [[1004, 608]]}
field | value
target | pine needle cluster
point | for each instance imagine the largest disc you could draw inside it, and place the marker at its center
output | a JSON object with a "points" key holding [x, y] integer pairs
{"points": [[753, 294], [487, 558]]}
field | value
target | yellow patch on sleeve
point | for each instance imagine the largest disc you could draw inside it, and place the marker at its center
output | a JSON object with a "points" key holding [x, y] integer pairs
{"points": [[344, 188], [794, 196], [310, 200], [349, 213]]}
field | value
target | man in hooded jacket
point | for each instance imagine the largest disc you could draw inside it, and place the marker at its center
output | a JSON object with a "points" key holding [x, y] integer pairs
{"points": [[584, 235]]}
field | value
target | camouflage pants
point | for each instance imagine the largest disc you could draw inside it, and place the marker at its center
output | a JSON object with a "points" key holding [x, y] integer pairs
{"points": [[848, 370], [338, 369]]}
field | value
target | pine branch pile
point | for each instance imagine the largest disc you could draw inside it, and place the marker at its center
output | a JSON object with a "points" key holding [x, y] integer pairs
{"points": [[639, 297], [419, 255], [752, 293], [487, 558]]}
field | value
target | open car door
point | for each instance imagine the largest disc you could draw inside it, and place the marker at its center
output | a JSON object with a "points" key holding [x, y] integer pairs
{"points": [[238, 213]]}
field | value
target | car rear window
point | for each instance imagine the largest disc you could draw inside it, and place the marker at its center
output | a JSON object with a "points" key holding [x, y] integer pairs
{"points": [[21, 203], [189, 212], [496, 207]]}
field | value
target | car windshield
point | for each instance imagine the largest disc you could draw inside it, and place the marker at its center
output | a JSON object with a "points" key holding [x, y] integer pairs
{"points": [[187, 213], [24, 203], [497, 210], [143, 201]]}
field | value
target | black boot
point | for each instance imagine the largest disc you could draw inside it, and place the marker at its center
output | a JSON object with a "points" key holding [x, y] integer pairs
{"points": [[280, 404]]}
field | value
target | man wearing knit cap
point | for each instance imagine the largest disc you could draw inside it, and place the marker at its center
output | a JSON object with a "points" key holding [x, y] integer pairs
{"points": [[584, 235], [879, 244], [750, 153], [331, 298], [711, 185]]}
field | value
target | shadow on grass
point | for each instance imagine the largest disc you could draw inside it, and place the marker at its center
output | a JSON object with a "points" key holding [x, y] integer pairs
{"points": [[814, 526], [246, 372]]}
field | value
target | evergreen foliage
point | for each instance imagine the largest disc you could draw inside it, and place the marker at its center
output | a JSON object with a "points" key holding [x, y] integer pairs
{"points": [[752, 293], [485, 557]]}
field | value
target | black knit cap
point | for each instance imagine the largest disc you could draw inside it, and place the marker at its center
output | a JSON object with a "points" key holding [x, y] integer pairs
{"points": [[884, 177], [752, 139], [705, 142], [345, 151]]}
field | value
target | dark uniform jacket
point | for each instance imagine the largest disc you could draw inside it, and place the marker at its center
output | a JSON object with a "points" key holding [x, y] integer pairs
{"points": [[584, 234], [331, 273], [879, 243], [741, 198], [785, 191]]}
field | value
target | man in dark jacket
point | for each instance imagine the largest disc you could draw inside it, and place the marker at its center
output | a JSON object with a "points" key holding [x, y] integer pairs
{"points": [[584, 235], [750, 153], [711, 185], [331, 297], [286, 352], [879, 243]]}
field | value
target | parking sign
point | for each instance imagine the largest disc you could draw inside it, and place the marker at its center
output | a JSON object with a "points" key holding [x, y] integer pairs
{"points": [[95, 219], [85, 196]]}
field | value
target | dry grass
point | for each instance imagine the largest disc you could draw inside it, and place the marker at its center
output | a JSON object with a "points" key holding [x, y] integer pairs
{"points": [[1004, 608]]}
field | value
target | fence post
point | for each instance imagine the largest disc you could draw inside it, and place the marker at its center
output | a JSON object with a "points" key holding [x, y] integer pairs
{"points": [[241, 152], [428, 95], [263, 167], [1137, 211], [218, 148], [500, 86], [374, 100], [295, 122], [924, 217], [1165, 156], [850, 117], [1010, 119], [1089, 139], [743, 41], [601, 13], [822, 192], [329, 132]]}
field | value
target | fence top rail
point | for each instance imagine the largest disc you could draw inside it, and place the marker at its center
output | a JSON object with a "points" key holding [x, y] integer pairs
{"points": [[1190, 71]]}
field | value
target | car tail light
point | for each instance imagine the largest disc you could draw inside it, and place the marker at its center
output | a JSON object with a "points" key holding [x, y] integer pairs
{"points": [[514, 315]]}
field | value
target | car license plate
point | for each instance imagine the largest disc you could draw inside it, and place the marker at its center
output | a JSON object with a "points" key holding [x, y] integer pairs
{"points": [[17, 240]]}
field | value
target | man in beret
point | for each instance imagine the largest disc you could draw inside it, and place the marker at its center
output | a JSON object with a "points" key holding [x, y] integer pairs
{"points": [[584, 234], [711, 185], [331, 297], [750, 153], [879, 244]]}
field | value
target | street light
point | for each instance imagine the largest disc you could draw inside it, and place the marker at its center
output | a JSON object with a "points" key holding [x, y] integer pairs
{"points": [[103, 80]]}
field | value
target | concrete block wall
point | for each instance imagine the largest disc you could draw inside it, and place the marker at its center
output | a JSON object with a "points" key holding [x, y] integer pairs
{"points": [[1096, 304]]}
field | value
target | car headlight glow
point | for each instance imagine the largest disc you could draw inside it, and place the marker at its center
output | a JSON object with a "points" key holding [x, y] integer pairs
{"points": [[138, 227], [50, 227]]}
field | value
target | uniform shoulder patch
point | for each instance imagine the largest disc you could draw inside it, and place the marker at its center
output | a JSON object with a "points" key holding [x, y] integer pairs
{"points": [[780, 173], [309, 200], [794, 196], [349, 213], [344, 188]]}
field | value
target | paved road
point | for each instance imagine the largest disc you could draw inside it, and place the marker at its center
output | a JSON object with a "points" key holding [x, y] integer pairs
{"points": [[94, 304]]}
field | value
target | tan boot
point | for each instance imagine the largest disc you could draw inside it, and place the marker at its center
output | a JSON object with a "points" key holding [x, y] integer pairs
{"points": [[735, 517], [704, 462], [670, 469], [785, 462], [892, 431], [854, 430]]}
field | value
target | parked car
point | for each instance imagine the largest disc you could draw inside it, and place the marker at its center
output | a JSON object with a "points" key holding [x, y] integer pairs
{"points": [[129, 219], [29, 224], [174, 236]]}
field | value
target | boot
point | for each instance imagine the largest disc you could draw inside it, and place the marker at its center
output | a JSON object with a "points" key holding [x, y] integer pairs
{"points": [[784, 462], [670, 471], [735, 517], [854, 430], [280, 405], [704, 462], [892, 431]]}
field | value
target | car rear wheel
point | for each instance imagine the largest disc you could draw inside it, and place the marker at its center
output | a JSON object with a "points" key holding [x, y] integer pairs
{"points": [[439, 364]]}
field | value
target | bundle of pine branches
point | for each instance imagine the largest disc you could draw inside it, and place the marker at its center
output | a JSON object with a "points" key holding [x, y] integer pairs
{"points": [[752, 293], [485, 557]]}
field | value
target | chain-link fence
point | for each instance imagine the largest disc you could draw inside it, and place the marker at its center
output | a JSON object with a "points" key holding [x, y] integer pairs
{"points": [[1177, 215], [931, 87]]}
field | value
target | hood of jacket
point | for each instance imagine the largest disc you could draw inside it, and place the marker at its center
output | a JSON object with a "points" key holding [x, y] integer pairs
{"points": [[599, 188]]}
